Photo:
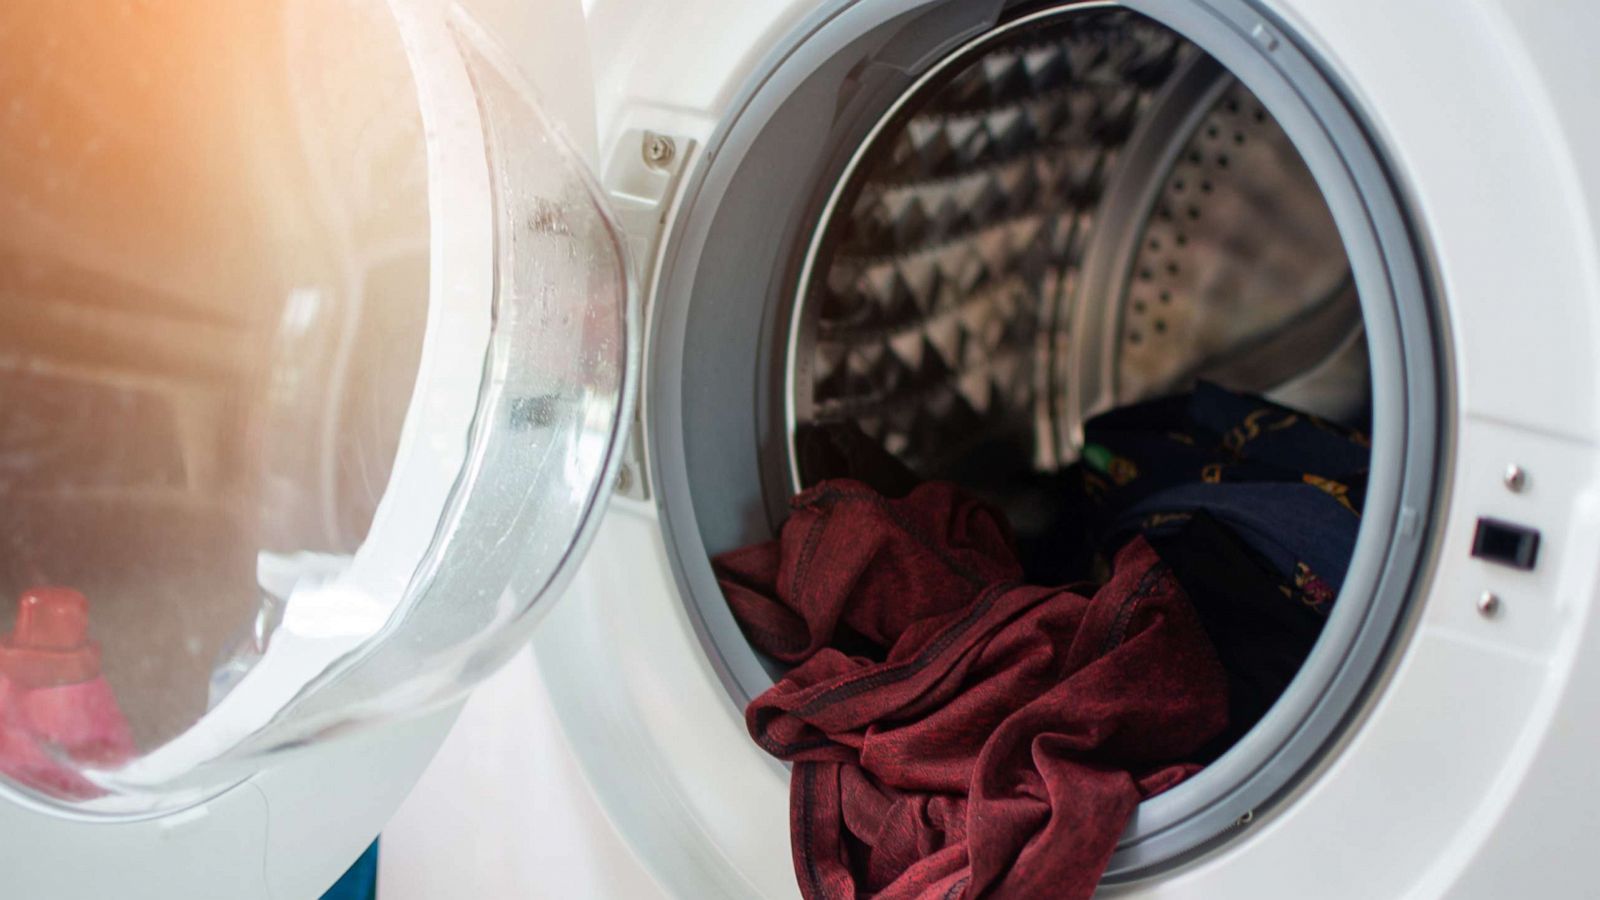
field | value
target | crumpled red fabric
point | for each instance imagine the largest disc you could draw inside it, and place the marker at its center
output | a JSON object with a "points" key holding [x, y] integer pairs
{"points": [[978, 737]]}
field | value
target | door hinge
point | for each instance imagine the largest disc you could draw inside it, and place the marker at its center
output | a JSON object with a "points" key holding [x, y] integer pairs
{"points": [[642, 179]]}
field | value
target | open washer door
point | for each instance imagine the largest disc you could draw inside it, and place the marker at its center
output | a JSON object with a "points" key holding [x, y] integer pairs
{"points": [[317, 345]]}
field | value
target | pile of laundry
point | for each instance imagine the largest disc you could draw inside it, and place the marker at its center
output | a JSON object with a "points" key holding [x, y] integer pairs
{"points": [[960, 724]]}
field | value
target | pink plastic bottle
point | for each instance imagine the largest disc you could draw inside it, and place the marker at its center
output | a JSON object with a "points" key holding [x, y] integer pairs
{"points": [[57, 714]]}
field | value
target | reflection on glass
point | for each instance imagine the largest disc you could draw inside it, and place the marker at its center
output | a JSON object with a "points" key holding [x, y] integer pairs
{"points": [[214, 263]]}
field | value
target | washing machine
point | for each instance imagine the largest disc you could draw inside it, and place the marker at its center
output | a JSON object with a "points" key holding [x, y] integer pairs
{"points": [[351, 346]]}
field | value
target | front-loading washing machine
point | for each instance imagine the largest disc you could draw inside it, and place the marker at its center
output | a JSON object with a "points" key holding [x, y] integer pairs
{"points": [[323, 340]]}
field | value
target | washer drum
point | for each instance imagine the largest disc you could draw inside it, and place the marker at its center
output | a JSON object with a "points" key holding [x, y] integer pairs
{"points": [[1080, 215]]}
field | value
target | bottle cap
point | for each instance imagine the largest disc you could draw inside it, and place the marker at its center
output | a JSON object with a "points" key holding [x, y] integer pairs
{"points": [[50, 644]]}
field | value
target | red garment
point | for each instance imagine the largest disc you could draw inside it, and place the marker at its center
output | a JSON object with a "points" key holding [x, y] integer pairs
{"points": [[1005, 734]]}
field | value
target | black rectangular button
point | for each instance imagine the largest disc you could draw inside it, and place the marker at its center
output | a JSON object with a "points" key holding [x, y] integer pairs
{"points": [[1506, 544]]}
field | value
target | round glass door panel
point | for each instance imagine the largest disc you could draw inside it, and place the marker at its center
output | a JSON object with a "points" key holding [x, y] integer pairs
{"points": [[314, 360]]}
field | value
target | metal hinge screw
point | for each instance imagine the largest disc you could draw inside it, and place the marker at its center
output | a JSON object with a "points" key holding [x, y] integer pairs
{"points": [[1488, 605], [658, 150]]}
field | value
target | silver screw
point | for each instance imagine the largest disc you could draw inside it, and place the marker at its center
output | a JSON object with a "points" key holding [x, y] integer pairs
{"points": [[658, 150], [1516, 478], [1488, 605]]}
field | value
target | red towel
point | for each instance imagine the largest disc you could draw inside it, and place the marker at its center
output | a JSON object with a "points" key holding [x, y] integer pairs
{"points": [[982, 737]]}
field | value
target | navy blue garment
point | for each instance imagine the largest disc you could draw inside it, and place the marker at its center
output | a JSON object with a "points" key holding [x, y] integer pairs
{"points": [[1286, 483], [1261, 635], [1255, 507], [1214, 435], [1305, 534], [360, 882]]}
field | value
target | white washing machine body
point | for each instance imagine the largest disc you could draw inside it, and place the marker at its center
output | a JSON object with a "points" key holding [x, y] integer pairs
{"points": [[1464, 770]]}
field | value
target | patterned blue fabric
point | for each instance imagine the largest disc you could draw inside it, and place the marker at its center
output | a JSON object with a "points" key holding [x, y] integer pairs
{"points": [[1255, 506], [1288, 484], [1287, 524]]}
